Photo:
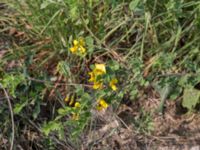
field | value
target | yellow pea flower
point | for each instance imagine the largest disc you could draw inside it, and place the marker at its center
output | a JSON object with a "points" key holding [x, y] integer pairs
{"points": [[66, 98], [76, 43], [77, 105], [102, 104], [100, 69], [82, 42], [92, 77], [113, 83], [98, 85], [75, 116], [71, 102], [82, 50], [74, 49], [78, 46]]}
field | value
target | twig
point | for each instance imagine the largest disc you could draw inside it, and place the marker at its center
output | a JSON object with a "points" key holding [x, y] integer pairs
{"points": [[11, 115], [55, 86], [177, 74], [123, 122], [58, 83]]}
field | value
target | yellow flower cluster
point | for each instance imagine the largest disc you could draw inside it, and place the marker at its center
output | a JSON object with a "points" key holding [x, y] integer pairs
{"points": [[78, 47], [99, 70], [101, 104], [70, 100], [95, 74]]}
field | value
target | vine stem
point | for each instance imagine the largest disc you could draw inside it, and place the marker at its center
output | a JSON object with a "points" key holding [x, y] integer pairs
{"points": [[11, 115]]}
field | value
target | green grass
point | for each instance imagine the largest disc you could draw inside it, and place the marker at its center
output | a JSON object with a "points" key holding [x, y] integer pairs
{"points": [[143, 43]]}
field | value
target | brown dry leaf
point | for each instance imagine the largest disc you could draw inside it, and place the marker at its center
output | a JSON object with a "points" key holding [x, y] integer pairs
{"points": [[45, 41], [109, 126], [19, 34], [28, 26], [12, 31], [149, 63], [2, 52]]}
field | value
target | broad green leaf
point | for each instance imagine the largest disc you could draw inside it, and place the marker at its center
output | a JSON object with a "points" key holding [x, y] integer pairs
{"points": [[191, 98], [133, 4]]}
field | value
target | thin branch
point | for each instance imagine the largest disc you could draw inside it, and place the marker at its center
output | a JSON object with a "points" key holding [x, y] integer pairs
{"points": [[177, 74], [58, 83], [11, 115]]}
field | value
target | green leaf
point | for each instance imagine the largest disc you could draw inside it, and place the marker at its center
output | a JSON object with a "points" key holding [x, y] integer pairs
{"points": [[51, 126], [114, 65], [90, 43], [11, 82], [133, 94], [133, 4], [18, 107], [86, 97], [191, 98], [64, 111], [45, 4], [36, 111], [63, 68]]}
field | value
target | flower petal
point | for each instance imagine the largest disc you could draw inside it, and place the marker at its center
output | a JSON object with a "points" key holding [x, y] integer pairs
{"points": [[98, 85], [114, 87], [75, 116], [75, 42], [82, 50], [100, 68], [77, 105], [74, 49], [103, 103], [92, 77], [113, 83], [81, 42]]}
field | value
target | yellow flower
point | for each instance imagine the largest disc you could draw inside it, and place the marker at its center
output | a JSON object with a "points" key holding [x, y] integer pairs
{"points": [[92, 77], [82, 50], [113, 83], [102, 104], [77, 105], [100, 69], [76, 43], [66, 98], [71, 102], [74, 49], [82, 42], [78, 46], [75, 116], [98, 85]]}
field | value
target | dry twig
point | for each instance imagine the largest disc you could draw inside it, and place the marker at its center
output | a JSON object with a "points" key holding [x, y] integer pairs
{"points": [[11, 115]]}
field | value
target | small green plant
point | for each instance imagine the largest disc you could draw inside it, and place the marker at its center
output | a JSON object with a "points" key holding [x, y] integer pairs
{"points": [[191, 95], [101, 94], [144, 122]]}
